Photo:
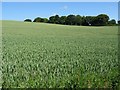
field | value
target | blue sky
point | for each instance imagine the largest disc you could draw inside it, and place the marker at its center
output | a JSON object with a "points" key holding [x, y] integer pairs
{"points": [[22, 10]]}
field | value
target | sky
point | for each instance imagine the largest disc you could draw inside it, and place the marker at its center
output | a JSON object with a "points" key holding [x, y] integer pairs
{"points": [[22, 10]]}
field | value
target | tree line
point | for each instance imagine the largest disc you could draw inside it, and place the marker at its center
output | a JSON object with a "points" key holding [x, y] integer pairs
{"points": [[99, 20]]}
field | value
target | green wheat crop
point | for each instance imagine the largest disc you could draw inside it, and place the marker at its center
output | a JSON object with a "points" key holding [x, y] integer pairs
{"points": [[39, 55]]}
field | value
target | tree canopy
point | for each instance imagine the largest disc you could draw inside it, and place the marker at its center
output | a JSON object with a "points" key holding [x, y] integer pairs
{"points": [[39, 19], [99, 20], [27, 20], [112, 22], [118, 21]]}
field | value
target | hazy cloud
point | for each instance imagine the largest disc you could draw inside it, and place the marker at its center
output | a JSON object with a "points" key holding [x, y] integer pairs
{"points": [[65, 7]]}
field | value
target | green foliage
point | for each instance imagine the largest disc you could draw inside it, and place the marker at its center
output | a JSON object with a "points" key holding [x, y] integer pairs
{"points": [[62, 20], [57, 19], [118, 21], [27, 20], [54, 19], [90, 20], [84, 21], [112, 22], [38, 19], [57, 56], [100, 20], [70, 20], [45, 20], [78, 20]]}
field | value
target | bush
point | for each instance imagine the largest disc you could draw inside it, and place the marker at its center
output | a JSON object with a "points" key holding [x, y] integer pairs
{"points": [[27, 20], [112, 22], [38, 19]]}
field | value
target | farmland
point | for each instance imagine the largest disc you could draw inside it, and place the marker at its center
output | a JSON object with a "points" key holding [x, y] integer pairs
{"points": [[40, 55]]}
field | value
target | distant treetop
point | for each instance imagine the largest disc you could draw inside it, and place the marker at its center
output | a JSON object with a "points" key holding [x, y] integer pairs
{"points": [[99, 20], [27, 20]]}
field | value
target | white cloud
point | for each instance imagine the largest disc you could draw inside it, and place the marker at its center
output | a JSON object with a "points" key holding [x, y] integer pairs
{"points": [[65, 7]]}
